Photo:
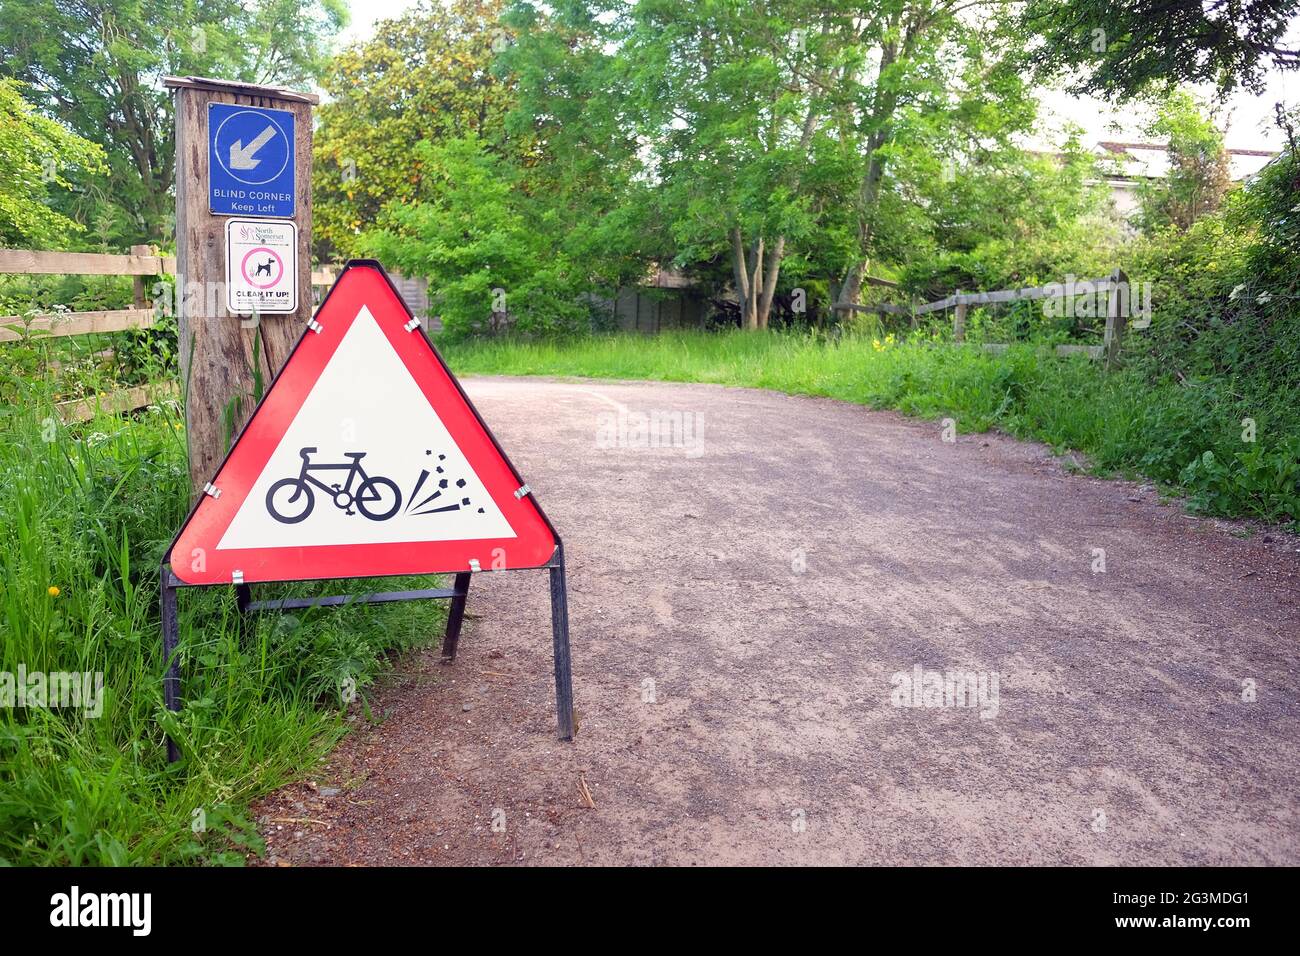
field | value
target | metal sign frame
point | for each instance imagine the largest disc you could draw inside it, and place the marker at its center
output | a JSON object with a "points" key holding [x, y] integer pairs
{"points": [[170, 584]]}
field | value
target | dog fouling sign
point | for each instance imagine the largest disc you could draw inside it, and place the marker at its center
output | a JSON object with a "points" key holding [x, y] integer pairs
{"points": [[261, 266]]}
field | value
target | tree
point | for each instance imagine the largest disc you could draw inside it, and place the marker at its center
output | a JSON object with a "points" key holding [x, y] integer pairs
{"points": [[944, 79], [579, 141], [97, 65], [490, 252], [1127, 46], [36, 154], [1012, 219], [664, 122], [426, 157], [1198, 176], [424, 76], [767, 128]]}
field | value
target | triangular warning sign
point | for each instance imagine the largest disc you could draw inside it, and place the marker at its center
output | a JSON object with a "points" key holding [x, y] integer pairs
{"points": [[364, 458]]}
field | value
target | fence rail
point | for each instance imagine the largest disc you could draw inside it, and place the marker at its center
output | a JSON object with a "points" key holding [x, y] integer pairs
{"points": [[115, 403], [76, 323], [1013, 295], [141, 264], [1113, 285]]}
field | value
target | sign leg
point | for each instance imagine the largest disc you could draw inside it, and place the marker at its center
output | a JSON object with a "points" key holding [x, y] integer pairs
{"points": [[171, 661], [560, 635], [455, 617]]}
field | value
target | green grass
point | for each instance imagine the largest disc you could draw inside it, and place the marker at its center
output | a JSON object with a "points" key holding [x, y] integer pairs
{"points": [[1132, 422], [90, 511]]}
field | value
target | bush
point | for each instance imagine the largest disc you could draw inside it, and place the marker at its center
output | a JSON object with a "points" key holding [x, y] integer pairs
{"points": [[491, 254], [85, 516], [1225, 333]]}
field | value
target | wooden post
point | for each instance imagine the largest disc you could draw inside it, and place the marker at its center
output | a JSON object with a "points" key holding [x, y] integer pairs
{"points": [[218, 373], [139, 295], [959, 322], [1117, 307]]}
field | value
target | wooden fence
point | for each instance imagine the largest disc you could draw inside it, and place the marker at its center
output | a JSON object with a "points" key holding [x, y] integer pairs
{"points": [[1115, 286], [142, 264]]}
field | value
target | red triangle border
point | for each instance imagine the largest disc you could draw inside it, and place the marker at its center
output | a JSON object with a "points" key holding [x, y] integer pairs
{"points": [[193, 555]]}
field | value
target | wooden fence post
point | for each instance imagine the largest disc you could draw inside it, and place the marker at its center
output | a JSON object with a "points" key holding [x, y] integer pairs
{"points": [[959, 322], [218, 371], [1117, 307], [139, 296]]}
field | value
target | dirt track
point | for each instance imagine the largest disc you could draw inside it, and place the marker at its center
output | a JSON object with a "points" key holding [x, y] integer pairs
{"points": [[1120, 734]]}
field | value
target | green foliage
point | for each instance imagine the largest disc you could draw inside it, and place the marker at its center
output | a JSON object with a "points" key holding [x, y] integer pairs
{"points": [[36, 154], [488, 248], [98, 69], [90, 511], [1226, 329], [425, 76], [1256, 482], [76, 366], [658, 134], [1209, 400], [1198, 176], [1123, 48], [1015, 220], [581, 166], [148, 355], [487, 206], [1226, 290], [762, 143]]}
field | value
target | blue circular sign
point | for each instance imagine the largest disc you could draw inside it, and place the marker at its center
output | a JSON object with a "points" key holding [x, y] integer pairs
{"points": [[252, 146]]}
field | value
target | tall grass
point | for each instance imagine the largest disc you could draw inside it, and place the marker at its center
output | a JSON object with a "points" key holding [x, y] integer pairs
{"points": [[89, 511], [1132, 421]]}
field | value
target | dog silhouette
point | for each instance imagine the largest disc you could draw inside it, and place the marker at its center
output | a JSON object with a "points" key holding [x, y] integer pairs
{"points": [[264, 268]]}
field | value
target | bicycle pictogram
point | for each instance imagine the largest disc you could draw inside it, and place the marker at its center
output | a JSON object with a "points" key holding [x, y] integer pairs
{"points": [[291, 500]]}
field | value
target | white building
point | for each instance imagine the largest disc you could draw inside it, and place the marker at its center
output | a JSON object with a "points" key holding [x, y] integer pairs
{"points": [[1127, 164]]}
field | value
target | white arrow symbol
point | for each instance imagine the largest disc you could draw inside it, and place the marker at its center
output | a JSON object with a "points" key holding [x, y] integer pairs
{"points": [[241, 156]]}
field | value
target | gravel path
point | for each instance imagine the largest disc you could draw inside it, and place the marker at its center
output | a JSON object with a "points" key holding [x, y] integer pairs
{"points": [[742, 605]]}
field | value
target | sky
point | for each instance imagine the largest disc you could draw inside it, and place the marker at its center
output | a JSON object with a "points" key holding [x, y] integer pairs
{"points": [[366, 13], [1248, 118]]}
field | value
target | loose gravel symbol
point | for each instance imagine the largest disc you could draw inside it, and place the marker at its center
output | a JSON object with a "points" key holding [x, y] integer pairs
{"points": [[443, 485]]}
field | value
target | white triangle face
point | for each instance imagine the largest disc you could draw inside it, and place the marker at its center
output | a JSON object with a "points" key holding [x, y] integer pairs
{"points": [[412, 483]]}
